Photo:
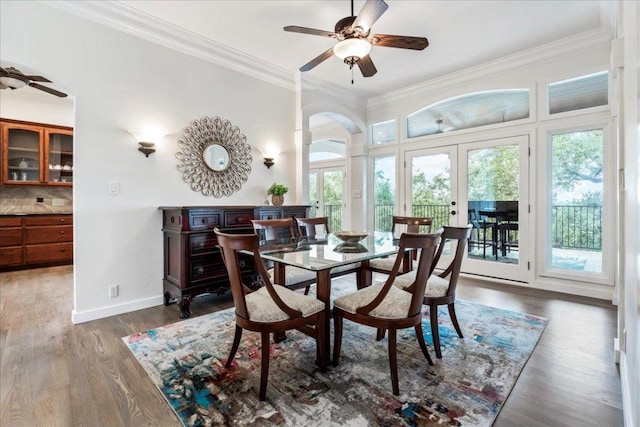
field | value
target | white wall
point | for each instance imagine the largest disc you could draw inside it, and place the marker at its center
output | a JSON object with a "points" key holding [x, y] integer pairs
{"points": [[32, 105], [122, 83]]}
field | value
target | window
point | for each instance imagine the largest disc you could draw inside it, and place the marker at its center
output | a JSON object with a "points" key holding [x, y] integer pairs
{"points": [[578, 93], [577, 201], [383, 132], [384, 192], [327, 149], [469, 111]]}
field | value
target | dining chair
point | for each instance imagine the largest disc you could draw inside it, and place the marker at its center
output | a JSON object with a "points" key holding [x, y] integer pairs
{"points": [[385, 306], [309, 227], [271, 308], [274, 229], [410, 225], [441, 289]]}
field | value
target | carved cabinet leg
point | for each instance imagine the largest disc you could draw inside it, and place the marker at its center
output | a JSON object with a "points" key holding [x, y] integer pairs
{"points": [[184, 304]]}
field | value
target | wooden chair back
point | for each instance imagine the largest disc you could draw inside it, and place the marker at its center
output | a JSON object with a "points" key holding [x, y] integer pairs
{"points": [[274, 229], [308, 227], [411, 224], [461, 236]]}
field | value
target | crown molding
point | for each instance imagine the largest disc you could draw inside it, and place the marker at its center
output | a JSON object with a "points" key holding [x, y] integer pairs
{"points": [[139, 24], [321, 87], [563, 48]]}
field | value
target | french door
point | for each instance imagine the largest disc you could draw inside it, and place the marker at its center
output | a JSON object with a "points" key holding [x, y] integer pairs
{"points": [[484, 184], [326, 189]]}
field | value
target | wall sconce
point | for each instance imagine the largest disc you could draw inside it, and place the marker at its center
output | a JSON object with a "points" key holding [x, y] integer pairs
{"points": [[147, 139], [269, 157], [146, 148], [268, 162]]}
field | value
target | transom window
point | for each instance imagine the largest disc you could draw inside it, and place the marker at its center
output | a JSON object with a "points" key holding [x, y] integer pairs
{"points": [[327, 149], [469, 111], [383, 132], [578, 93]]}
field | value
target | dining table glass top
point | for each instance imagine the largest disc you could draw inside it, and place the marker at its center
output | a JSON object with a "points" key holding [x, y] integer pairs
{"points": [[327, 251]]}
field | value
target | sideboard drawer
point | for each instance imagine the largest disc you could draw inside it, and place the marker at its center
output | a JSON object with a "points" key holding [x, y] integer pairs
{"points": [[205, 220], [48, 220], [238, 219], [10, 236], [34, 235], [204, 269], [48, 253], [202, 243]]}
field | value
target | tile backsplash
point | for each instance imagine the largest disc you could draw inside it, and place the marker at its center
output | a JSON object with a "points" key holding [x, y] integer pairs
{"points": [[16, 199]]}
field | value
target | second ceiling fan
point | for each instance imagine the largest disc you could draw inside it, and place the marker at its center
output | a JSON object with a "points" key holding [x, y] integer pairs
{"points": [[355, 40]]}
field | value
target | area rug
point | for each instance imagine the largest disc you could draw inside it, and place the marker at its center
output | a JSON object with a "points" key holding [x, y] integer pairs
{"points": [[467, 387]]}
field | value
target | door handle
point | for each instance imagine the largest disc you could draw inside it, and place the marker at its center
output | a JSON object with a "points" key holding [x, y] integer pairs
{"points": [[453, 212]]}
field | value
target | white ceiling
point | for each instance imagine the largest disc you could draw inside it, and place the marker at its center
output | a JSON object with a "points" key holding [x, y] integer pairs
{"points": [[461, 33]]}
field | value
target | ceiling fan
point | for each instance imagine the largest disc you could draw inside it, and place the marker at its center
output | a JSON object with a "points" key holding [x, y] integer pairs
{"points": [[355, 40], [12, 78]]}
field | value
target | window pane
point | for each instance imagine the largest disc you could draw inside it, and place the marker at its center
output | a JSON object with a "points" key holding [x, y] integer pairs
{"points": [[332, 190], [431, 188], [469, 111], [384, 192], [576, 208], [327, 149], [493, 203], [313, 193], [383, 132], [575, 94]]}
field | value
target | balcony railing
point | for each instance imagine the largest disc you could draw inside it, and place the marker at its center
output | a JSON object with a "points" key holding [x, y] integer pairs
{"points": [[576, 227], [573, 227]]}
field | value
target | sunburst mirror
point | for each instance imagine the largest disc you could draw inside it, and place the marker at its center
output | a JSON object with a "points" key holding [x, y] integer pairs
{"points": [[214, 157]]}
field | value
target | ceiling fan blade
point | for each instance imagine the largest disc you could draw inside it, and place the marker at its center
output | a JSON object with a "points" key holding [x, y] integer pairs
{"points": [[402, 42], [13, 70], [39, 79], [317, 60], [369, 14], [312, 31], [366, 66], [48, 90]]}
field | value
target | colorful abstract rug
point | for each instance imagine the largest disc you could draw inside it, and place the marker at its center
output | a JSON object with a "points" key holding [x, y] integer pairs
{"points": [[467, 387]]}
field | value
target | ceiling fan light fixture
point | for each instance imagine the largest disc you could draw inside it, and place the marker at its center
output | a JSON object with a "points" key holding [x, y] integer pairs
{"points": [[12, 82], [355, 47]]}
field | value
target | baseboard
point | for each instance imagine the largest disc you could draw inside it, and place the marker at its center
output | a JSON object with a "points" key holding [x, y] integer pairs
{"points": [[627, 401], [114, 310]]}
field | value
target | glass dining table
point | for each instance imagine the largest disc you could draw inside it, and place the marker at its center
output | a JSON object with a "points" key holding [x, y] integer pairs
{"points": [[324, 253]]}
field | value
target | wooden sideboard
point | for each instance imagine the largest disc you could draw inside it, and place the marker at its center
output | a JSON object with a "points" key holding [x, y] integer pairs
{"points": [[192, 261], [28, 241]]}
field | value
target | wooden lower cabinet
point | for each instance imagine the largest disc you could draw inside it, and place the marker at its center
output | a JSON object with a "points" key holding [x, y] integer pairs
{"points": [[35, 240], [192, 261]]}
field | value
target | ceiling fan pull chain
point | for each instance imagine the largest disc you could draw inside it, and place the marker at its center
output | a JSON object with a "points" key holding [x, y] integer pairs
{"points": [[351, 73]]}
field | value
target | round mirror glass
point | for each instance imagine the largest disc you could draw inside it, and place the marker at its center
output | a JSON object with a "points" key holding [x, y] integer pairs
{"points": [[216, 157]]}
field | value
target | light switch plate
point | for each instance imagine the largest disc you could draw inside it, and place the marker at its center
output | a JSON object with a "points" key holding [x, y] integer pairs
{"points": [[114, 188]]}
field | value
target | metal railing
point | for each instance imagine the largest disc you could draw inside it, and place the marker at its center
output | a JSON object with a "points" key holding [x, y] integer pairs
{"points": [[334, 214], [573, 227], [576, 227]]}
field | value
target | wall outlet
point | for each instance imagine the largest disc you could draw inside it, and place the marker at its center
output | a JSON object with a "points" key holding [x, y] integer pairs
{"points": [[113, 291], [57, 202], [39, 199]]}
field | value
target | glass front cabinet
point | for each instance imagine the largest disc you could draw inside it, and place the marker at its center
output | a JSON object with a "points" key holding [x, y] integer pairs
{"points": [[35, 154]]}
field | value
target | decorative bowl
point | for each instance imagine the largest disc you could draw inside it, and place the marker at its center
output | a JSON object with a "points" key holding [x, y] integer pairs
{"points": [[350, 248], [351, 236]]}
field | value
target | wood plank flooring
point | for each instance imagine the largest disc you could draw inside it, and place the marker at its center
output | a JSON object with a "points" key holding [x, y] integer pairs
{"points": [[54, 373]]}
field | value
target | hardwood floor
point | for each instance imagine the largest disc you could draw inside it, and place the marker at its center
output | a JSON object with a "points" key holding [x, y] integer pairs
{"points": [[54, 373]]}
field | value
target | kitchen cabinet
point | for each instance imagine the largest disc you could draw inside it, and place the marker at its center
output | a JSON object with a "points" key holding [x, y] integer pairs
{"points": [[192, 261], [36, 154], [28, 241]]}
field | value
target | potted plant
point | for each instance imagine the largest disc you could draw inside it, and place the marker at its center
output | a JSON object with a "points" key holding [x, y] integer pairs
{"points": [[277, 192]]}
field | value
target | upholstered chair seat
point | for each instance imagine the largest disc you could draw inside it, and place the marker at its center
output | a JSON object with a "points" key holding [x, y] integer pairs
{"points": [[395, 304], [262, 308], [436, 285]]}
